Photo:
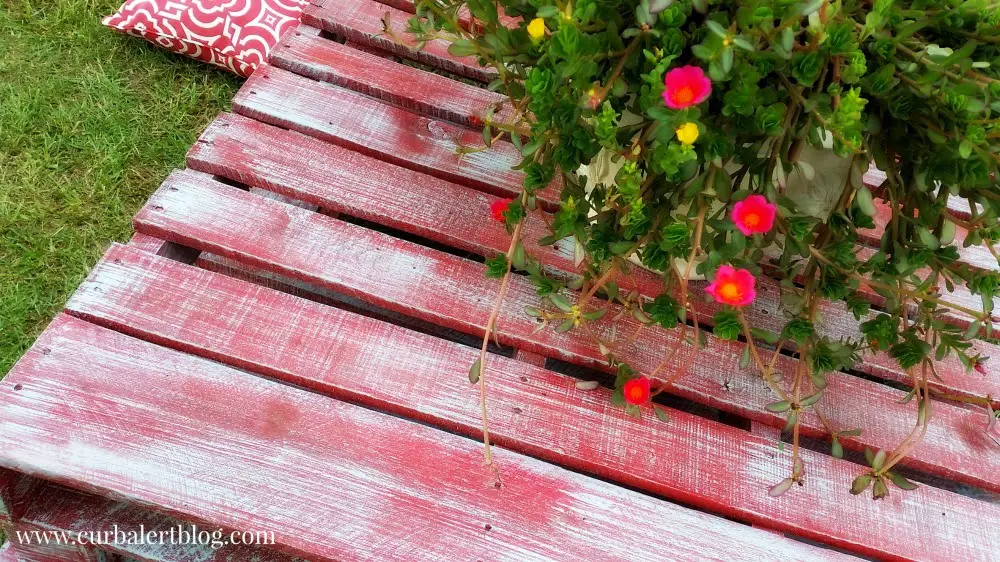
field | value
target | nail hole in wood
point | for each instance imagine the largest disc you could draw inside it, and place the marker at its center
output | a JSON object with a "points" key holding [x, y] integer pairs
{"points": [[19, 387], [46, 351], [488, 527]]}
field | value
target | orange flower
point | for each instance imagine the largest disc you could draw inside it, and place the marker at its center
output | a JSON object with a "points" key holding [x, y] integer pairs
{"points": [[636, 391], [734, 287]]}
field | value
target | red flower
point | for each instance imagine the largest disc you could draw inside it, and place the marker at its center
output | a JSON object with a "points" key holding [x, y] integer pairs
{"points": [[636, 391], [734, 287], [980, 365], [685, 86], [498, 208], [754, 214]]}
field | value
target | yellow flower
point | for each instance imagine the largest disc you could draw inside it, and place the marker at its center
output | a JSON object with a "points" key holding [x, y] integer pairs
{"points": [[727, 42], [536, 29], [687, 133]]}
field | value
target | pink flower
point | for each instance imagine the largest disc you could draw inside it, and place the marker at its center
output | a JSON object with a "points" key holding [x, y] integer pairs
{"points": [[686, 86], [498, 208], [734, 287], [754, 215], [636, 391]]}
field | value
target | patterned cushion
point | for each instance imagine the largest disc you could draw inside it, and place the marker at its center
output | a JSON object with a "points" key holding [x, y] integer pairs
{"points": [[233, 34]]}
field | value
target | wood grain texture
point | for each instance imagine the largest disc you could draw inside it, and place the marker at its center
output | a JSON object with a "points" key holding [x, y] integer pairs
{"points": [[692, 459], [361, 21], [146, 242], [411, 88], [8, 485], [332, 480], [349, 119], [55, 509], [451, 291], [348, 182], [10, 553]]}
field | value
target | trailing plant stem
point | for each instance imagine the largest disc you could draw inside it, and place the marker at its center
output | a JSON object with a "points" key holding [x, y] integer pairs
{"points": [[490, 327]]}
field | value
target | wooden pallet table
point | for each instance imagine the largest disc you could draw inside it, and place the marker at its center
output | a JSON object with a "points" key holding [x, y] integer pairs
{"points": [[284, 345]]}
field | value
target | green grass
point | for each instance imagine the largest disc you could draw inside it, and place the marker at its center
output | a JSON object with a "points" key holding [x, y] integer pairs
{"points": [[91, 122]]}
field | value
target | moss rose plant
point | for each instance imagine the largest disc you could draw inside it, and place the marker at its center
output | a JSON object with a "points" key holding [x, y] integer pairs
{"points": [[731, 139]]}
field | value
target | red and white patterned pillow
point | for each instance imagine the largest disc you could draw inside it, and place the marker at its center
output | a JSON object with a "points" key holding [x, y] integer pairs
{"points": [[233, 34]]}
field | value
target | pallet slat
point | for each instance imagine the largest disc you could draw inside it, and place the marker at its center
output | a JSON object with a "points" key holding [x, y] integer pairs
{"points": [[349, 119], [332, 480], [362, 22], [411, 88], [978, 257], [331, 177], [532, 410], [452, 292], [956, 204], [464, 17], [55, 509]]}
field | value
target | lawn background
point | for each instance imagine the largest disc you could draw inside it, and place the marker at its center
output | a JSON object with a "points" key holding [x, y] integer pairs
{"points": [[91, 122]]}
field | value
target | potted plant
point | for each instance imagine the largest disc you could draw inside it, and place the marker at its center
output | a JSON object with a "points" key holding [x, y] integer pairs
{"points": [[727, 140]]}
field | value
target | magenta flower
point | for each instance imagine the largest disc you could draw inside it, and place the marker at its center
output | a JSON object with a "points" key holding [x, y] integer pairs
{"points": [[754, 215], [686, 86], [735, 287]]}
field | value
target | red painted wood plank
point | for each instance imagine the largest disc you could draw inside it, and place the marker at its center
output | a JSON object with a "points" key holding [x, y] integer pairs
{"points": [[452, 292], [464, 17], [959, 297], [8, 484], [361, 21], [530, 358], [28, 550], [97, 520], [978, 257], [956, 204], [17, 495], [332, 480], [961, 208], [411, 88], [349, 119], [146, 242], [347, 182], [692, 459]]}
